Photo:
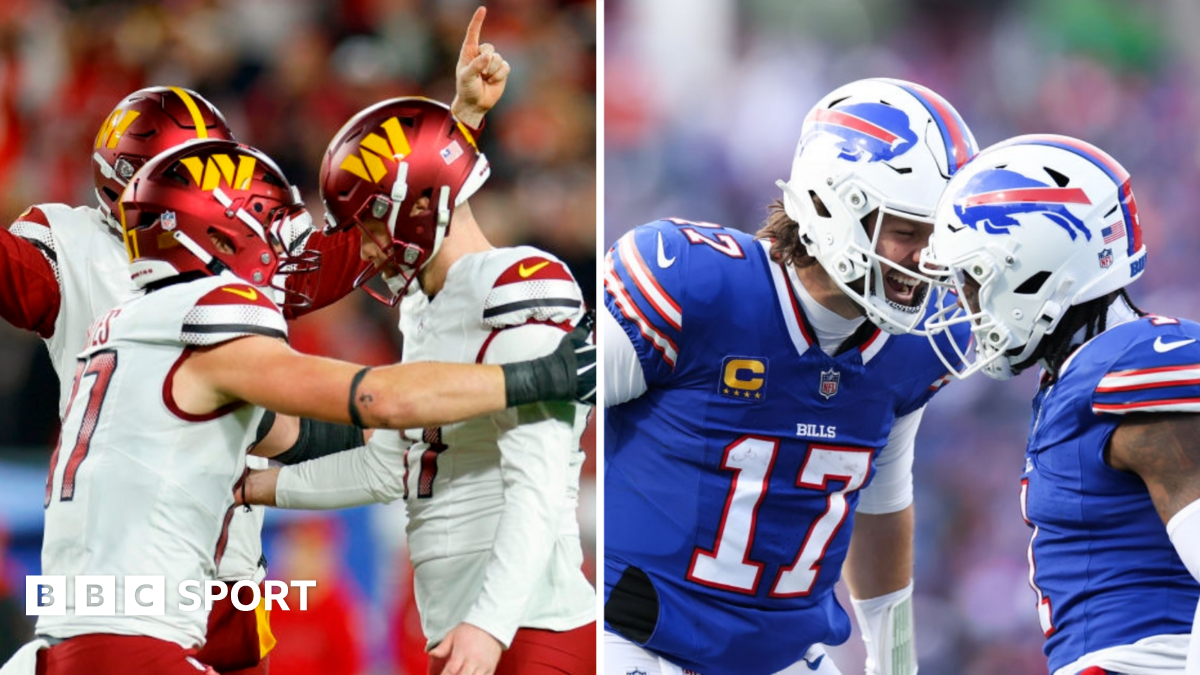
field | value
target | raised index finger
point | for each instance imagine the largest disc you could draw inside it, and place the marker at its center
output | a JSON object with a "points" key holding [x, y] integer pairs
{"points": [[470, 47]]}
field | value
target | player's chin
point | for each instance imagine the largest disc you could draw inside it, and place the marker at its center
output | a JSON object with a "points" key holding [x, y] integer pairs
{"points": [[387, 268]]}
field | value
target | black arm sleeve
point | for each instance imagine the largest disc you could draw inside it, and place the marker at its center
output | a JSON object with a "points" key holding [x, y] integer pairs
{"points": [[317, 439]]}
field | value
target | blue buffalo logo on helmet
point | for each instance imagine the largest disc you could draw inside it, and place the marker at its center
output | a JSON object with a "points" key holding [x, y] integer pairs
{"points": [[991, 201], [865, 131]]}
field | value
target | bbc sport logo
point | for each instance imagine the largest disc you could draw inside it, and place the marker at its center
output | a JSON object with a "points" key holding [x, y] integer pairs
{"points": [[96, 595]]}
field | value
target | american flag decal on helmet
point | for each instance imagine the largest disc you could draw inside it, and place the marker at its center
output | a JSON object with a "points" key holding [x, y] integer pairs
{"points": [[451, 152]]}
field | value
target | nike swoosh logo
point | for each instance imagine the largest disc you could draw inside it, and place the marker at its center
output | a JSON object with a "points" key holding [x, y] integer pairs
{"points": [[527, 272], [249, 294], [813, 665], [663, 261], [1164, 347]]}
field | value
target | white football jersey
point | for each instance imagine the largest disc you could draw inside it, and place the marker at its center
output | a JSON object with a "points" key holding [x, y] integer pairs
{"points": [[92, 268], [492, 501], [137, 486]]}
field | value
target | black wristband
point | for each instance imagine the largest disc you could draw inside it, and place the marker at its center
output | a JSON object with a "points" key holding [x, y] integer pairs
{"points": [[355, 418], [542, 379], [317, 439]]}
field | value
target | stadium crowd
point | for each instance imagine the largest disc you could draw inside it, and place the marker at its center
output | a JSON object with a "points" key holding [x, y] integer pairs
{"points": [[287, 75]]}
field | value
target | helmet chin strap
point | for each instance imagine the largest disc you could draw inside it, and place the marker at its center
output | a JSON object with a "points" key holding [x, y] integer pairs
{"points": [[399, 283], [398, 193], [215, 266], [443, 220]]}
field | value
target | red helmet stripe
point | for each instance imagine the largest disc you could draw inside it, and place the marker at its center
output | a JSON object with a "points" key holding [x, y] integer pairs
{"points": [[1052, 195], [849, 121], [950, 121]]}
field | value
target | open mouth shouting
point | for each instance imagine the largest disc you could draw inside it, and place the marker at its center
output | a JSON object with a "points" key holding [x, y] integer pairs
{"points": [[903, 291]]}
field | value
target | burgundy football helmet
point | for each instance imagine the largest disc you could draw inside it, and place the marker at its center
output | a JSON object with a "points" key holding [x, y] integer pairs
{"points": [[386, 159], [143, 124], [208, 206]]}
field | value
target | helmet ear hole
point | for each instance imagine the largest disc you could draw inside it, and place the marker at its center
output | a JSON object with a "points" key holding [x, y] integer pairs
{"points": [[223, 243], [1033, 284], [819, 205], [1059, 179]]}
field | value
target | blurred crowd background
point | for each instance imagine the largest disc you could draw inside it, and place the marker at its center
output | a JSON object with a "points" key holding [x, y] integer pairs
{"points": [[287, 74], [702, 110]]}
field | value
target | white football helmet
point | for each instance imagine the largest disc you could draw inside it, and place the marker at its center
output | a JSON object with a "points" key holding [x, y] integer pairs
{"points": [[876, 144], [1040, 223]]}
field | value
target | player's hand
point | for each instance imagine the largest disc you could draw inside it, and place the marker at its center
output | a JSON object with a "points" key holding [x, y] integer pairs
{"points": [[259, 488], [583, 344], [480, 76], [468, 650]]}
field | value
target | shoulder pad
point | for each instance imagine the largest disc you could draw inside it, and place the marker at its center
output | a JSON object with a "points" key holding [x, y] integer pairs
{"points": [[1154, 366], [535, 288], [34, 227], [34, 214], [231, 311]]}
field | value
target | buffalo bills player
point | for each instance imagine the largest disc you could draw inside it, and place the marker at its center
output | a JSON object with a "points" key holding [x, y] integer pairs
{"points": [[1041, 237], [164, 400], [762, 393]]}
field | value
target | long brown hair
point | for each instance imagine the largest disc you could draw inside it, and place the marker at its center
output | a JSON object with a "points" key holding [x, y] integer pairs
{"points": [[785, 237]]}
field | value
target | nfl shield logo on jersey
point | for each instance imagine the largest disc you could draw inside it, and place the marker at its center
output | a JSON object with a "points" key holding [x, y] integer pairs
{"points": [[829, 382], [1106, 258]]}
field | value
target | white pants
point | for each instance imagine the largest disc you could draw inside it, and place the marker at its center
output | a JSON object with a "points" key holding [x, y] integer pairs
{"points": [[622, 657], [24, 662], [1155, 655]]}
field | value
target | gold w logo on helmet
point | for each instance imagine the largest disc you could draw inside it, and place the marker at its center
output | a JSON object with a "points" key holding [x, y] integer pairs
{"points": [[114, 127], [209, 172], [374, 148]]}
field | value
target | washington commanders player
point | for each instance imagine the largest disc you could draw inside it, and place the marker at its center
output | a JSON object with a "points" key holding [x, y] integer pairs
{"points": [[65, 266], [491, 501], [168, 393]]}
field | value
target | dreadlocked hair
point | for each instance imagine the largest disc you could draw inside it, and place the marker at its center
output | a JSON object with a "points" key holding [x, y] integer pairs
{"points": [[784, 235], [1091, 316]]}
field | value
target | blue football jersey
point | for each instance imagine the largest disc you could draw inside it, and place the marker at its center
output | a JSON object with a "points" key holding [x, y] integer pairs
{"points": [[730, 485], [1103, 567]]}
